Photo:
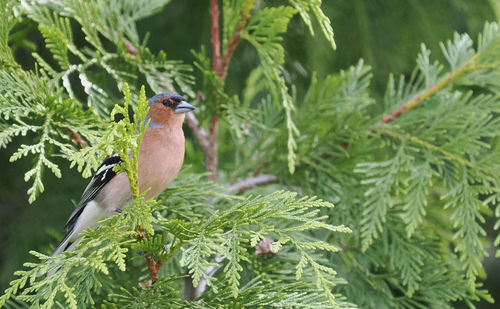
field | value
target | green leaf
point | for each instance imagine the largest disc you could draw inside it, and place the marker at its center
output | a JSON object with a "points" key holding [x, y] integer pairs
{"points": [[304, 7], [264, 32]]}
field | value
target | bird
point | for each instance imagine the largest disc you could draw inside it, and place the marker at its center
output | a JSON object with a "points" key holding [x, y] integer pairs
{"points": [[160, 158]]}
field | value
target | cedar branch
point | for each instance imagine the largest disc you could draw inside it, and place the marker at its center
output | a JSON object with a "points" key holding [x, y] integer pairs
{"points": [[211, 161], [200, 133], [413, 102], [257, 171], [211, 150], [251, 182], [153, 270], [78, 138], [214, 12], [220, 66], [153, 267], [449, 155], [232, 44]]}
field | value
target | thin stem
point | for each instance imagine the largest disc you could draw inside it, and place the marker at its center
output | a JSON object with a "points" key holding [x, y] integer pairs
{"points": [[211, 161], [152, 268], [130, 47], [233, 43], [251, 182], [449, 155], [413, 102], [200, 133], [257, 171], [78, 138]]}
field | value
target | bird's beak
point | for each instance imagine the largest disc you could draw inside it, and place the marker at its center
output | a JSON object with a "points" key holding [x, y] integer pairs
{"points": [[184, 107]]}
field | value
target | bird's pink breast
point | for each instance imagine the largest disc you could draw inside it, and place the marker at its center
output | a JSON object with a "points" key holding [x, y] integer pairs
{"points": [[159, 165]]}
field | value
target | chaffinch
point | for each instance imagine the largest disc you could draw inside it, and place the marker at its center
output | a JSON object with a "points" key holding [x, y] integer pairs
{"points": [[160, 159]]}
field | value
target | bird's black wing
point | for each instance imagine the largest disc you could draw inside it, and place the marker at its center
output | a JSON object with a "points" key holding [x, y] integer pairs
{"points": [[103, 175]]}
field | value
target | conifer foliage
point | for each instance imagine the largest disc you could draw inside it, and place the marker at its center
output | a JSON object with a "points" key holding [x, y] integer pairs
{"points": [[412, 176]]}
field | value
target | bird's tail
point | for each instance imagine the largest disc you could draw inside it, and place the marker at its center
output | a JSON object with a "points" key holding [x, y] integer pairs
{"points": [[65, 243]]}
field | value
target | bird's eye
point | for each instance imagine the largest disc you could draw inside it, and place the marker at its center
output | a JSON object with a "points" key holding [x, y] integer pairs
{"points": [[167, 102]]}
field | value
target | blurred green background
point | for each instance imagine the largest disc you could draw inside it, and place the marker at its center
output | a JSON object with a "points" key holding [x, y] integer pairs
{"points": [[386, 33]]}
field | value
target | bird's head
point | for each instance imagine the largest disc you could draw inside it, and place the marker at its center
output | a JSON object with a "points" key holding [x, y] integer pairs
{"points": [[167, 108]]}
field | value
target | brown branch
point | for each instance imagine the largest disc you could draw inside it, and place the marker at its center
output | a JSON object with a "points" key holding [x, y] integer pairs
{"points": [[257, 171], [208, 142], [153, 267], [251, 182], [210, 150], [219, 66], [130, 47], [78, 138], [232, 44], [214, 12], [413, 102], [211, 161], [153, 271], [200, 133]]}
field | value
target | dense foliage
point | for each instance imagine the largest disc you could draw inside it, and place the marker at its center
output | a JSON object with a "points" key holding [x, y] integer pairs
{"points": [[412, 172]]}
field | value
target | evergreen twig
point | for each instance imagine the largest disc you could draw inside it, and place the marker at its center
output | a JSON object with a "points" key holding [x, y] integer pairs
{"points": [[78, 138], [413, 102], [234, 41]]}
